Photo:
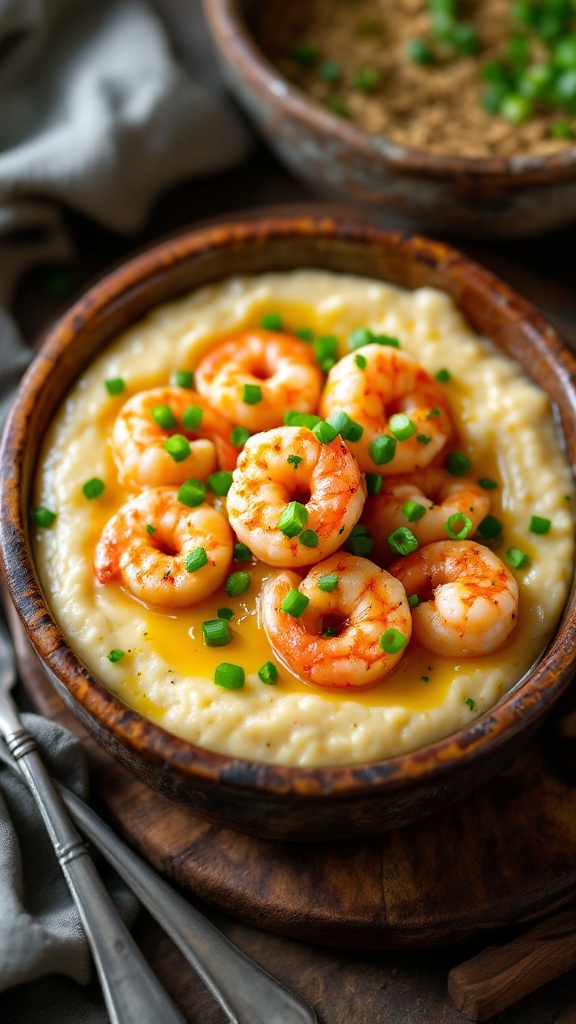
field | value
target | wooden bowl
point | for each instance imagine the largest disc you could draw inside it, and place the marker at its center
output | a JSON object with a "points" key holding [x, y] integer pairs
{"points": [[293, 803], [490, 197]]}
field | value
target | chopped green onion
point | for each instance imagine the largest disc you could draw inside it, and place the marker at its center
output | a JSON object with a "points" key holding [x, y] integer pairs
{"points": [[225, 613], [184, 379], [195, 559], [325, 351], [294, 461], [561, 130], [364, 336], [237, 583], [292, 418], [330, 71], [305, 334], [163, 416], [115, 386], [402, 426], [386, 340], [293, 519], [458, 463], [360, 361], [413, 600], [239, 436], [294, 603], [177, 447], [458, 526], [487, 483], [215, 633], [373, 483], [539, 525], [465, 39], [360, 337], [115, 655], [304, 54], [392, 641], [324, 432], [382, 449], [419, 52], [93, 488], [360, 542], [192, 493], [43, 516], [272, 322], [423, 438], [192, 417], [268, 673], [471, 703], [516, 108], [402, 541], [413, 510], [348, 429], [220, 482], [251, 394], [338, 106], [328, 582], [489, 528], [231, 677], [515, 558], [443, 376], [433, 412], [366, 79], [241, 552], [150, 529], [309, 539]]}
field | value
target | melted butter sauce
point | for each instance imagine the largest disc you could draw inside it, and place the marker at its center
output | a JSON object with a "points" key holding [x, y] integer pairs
{"points": [[419, 683]]}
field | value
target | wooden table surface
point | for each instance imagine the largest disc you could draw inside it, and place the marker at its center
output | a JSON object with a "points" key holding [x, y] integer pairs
{"points": [[344, 987]]}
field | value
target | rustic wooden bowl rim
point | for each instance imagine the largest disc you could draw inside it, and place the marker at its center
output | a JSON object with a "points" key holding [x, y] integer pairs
{"points": [[228, 25], [480, 740]]}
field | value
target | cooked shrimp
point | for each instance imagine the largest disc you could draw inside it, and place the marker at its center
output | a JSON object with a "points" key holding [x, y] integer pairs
{"points": [[290, 464], [154, 545], [280, 367], [442, 495], [468, 599], [138, 440], [366, 602], [391, 382]]}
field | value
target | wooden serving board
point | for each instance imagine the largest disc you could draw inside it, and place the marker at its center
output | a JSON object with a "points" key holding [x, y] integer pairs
{"points": [[504, 855]]}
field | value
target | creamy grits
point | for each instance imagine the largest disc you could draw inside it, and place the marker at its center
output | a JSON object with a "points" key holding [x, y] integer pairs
{"points": [[506, 428]]}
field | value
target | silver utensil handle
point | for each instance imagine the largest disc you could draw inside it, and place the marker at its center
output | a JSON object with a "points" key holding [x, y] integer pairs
{"points": [[132, 993], [245, 992]]}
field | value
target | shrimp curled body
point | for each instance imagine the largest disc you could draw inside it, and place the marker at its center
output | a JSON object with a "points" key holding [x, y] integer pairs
{"points": [[391, 382], [283, 368], [366, 602], [145, 545], [438, 492], [468, 598], [290, 464], [138, 440]]}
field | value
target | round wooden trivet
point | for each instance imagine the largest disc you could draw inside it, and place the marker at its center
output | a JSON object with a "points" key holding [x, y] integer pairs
{"points": [[503, 855]]}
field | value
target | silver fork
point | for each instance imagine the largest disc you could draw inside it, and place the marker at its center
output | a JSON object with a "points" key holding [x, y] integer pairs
{"points": [[245, 992], [132, 993]]}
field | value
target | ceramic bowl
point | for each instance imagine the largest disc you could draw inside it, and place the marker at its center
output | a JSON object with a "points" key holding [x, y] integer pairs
{"points": [[490, 197], [294, 803]]}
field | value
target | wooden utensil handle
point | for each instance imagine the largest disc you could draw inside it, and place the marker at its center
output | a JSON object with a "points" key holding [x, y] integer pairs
{"points": [[501, 975]]}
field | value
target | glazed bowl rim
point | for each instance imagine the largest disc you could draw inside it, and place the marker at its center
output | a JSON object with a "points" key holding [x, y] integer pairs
{"points": [[521, 707], [228, 25]]}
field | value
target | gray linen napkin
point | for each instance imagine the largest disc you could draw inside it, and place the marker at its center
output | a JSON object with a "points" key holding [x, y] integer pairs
{"points": [[40, 931], [97, 114]]}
